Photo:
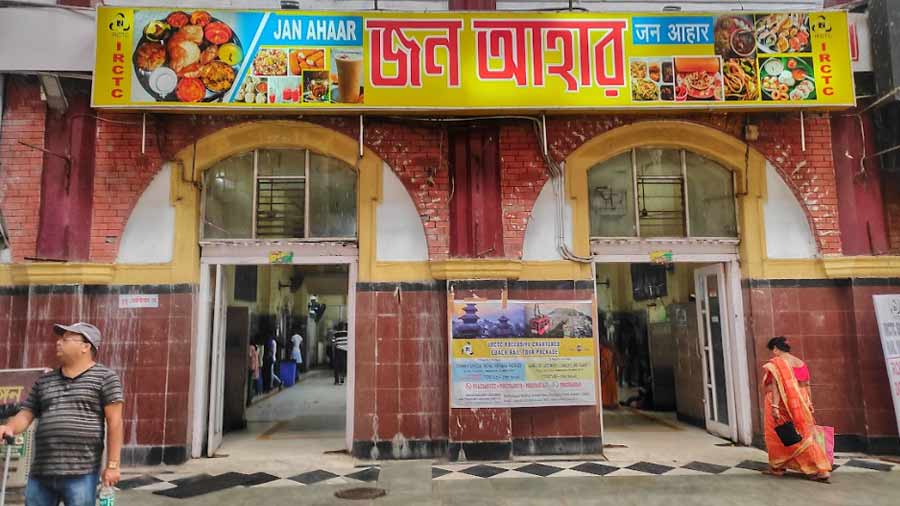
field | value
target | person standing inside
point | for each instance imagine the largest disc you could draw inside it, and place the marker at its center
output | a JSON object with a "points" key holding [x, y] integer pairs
{"points": [[339, 351], [296, 356], [73, 403], [252, 372]]}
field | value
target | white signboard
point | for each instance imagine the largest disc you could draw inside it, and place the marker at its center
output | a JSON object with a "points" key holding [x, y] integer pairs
{"points": [[131, 301], [887, 312], [860, 42]]}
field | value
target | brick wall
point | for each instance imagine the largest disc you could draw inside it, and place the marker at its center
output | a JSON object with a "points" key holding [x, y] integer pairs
{"points": [[417, 152], [523, 174], [20, 166]]}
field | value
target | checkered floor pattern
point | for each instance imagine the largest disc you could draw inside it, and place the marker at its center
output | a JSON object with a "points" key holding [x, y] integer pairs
{"points": [[597, 468], [183, 487]]}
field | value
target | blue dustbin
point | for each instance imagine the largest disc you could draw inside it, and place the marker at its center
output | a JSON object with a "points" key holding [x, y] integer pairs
{"points": [[287, 371]]}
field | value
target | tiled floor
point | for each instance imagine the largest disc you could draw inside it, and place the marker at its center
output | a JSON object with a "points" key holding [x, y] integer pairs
{"points": [[187, 487], [296, 454]]}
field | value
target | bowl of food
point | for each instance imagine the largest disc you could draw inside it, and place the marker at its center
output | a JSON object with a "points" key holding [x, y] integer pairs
{"points": [[743, 43]]}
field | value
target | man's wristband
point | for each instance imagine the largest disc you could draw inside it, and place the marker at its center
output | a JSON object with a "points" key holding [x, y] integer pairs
{"points": [[112, 464]]}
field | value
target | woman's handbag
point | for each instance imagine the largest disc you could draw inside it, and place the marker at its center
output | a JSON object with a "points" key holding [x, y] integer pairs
{"points": [[788, 434]]}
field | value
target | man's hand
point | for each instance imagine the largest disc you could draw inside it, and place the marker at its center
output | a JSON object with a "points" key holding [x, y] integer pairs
{"points": [[111, 477], [5, 430]]}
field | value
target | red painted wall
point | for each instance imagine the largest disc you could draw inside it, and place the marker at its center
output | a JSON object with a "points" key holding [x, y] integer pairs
{"points": [[863, 229], [67, 183], [149, 348]]}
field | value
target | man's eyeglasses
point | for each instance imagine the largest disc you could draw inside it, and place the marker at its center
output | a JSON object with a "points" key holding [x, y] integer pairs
{"points": [[77, 339]]}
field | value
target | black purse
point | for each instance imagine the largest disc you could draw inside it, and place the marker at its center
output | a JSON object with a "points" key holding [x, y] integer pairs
{"points": [[788, 434]]}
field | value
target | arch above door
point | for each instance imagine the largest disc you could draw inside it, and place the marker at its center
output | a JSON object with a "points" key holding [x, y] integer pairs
{"points": [[747, 163]]}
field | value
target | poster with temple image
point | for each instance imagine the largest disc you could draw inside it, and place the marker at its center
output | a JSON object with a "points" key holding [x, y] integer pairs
{"points": [[522, 353]]}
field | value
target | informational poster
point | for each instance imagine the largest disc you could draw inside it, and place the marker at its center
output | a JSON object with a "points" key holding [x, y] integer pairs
{"points": [[887, 313], [522, 354], [174, 59]]}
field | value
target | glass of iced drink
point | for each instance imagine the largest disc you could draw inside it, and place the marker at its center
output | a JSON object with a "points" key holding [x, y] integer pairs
{"points": [[349, 71]]}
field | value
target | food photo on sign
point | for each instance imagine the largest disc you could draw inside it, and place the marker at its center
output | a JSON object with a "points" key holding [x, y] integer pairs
{"points": [[735, 42], [184, 56], [698, 78], [788, 78], [652, 79]]}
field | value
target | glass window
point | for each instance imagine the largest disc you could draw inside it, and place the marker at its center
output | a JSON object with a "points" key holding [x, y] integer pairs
{"points": [[279, 193], [658, 162], [280, 207], [711, 198], [611, 194], [282, 162], [672, 192], [229, 199], [332, 198]]}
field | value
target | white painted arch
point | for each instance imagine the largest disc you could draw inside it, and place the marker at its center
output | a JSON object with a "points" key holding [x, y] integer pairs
{"points": [[787, 230], [149, 235], [399, 234]]}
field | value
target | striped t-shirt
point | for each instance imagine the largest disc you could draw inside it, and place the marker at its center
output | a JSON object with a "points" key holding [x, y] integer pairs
{"points": [[71, 420], [340, 340]]}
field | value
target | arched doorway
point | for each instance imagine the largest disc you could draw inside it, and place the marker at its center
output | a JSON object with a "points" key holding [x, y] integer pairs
{"points": [[664, 210], [285, 224]]}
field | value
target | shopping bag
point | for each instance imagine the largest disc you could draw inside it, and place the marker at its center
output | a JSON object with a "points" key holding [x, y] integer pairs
{"points": [[825, 439]]}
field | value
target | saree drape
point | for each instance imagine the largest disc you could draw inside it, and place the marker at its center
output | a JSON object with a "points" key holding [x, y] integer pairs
{"points": [[807, 456]]}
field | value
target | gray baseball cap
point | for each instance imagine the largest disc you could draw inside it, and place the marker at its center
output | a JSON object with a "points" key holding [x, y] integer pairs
{"points": [[90, 332]]}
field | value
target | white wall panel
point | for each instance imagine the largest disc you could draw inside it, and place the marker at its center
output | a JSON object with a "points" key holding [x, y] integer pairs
{"points": [[400, 235], [787, 230], [149, 235]]}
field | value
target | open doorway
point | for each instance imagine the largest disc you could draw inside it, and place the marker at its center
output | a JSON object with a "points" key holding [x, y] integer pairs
{"points": [[667, 342], [279, 364]]}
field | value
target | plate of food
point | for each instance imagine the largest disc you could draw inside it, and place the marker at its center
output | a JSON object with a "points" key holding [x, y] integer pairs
{"points": [[698, 78], [652, 79], [734, 37], [187, 57], [270, 62], [787, 78], [254, 90], [644, 90], [739, 76], [306, 59], [783, 33]]}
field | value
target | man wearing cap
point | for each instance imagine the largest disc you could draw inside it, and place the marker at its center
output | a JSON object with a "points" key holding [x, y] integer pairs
{"points": [[72, 403]]}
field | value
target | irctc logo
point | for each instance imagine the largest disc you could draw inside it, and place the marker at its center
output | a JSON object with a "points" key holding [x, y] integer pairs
{"points": [[120, 24], [820, 24]]}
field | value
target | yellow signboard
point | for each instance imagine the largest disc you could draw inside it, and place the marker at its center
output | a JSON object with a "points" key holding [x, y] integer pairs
{"points": [[288, 60]]}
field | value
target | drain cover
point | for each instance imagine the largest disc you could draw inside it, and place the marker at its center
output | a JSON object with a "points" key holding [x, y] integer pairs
{"points": [[360, 493]]}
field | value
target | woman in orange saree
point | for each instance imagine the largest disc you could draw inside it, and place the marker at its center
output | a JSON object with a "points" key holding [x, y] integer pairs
{"points": [[787, 399]]}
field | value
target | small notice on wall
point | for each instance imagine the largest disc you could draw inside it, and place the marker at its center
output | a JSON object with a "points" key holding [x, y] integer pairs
{"points": [[281, 257], [887, 312], [132, 301]]}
